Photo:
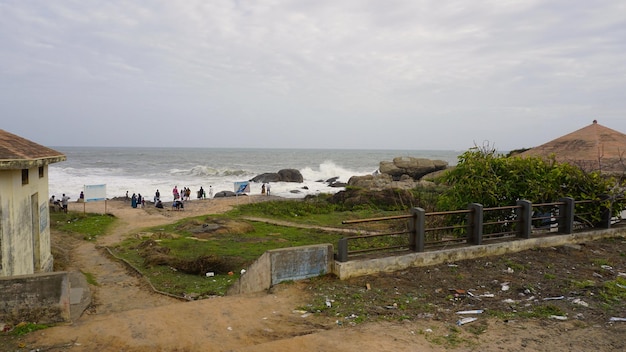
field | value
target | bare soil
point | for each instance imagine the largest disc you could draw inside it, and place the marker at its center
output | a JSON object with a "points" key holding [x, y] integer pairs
{"points": [[409, 310]]}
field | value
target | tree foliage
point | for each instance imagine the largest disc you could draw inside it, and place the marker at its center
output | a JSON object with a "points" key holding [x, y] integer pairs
{"points": [[493, 180]]}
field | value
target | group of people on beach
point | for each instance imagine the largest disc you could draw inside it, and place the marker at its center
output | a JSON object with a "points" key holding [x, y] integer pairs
{"points": [[61, 204]]}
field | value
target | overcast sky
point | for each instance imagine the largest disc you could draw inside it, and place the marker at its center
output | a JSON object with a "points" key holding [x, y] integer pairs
{"points": [[385, 74]]}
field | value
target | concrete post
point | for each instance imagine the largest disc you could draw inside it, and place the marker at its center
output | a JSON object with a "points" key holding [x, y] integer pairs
{"points": [[524, 216], [417, 226], [566, 215], [606, 214], [342, 250], [475, 224]]}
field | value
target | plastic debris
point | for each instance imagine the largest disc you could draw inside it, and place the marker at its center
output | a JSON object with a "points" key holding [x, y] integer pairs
{"points": [[210, 273], [617, 319], [466, 321], [620, 286], [509, 270], [243, 271], [475, 311], [505, 286], [368, 286], [328, 304], [606, 267], [580, 302], [558, 317], [554, 298], [488, 295]]}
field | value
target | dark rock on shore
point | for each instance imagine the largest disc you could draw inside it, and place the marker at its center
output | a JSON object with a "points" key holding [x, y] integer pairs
{"points": [[415, 168], [223, 194], [284, 175]]}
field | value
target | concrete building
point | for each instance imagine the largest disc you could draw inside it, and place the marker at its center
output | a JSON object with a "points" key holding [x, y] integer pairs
{"points": [[24, 209]]}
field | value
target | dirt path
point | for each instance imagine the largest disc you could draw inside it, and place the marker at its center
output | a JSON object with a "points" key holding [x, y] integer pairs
{"points": [[127, 316]]}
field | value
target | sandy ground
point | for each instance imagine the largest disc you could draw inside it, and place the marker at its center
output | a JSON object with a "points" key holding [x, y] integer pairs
{"points": [[127, 316]]}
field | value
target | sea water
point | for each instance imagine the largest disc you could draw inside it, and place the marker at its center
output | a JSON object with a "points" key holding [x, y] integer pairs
{"points": [[144, 170]]}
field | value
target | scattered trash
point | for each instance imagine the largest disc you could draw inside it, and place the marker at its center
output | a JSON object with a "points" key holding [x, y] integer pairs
{"points": [[509, 270], [476, 311], [243, 271], [488, 295], [465, 321], [621, 274], [428, 330], [508, 300], [231, 273], [229, 328], [598, 275], [394, 306], [210, 273], [505, 286], [554, 298], [617, 319], [620, 286], [368, 286], [558, 317], [606, 267], [328, 304], [580, 302], [458, 291], [452, 265]]}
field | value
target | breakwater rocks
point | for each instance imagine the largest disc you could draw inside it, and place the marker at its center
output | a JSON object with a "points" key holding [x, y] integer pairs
{"points": [[402, 172]]}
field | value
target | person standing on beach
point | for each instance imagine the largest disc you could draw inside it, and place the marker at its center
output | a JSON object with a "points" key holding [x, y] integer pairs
{"points": [[157, 196], [64, 200], [210, 191], [267, 189], [133, 201], [175, 192], [263, 189]]}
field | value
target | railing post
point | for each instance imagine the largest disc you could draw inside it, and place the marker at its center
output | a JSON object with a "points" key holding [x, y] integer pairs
{"points": [[607, 214], [524, 217], [566, 215], [342, 250], [417, 225], [475, 224]]}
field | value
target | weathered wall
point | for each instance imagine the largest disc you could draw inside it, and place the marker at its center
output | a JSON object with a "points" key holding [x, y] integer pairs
{"points": [[42, 298], [24, 223], [355, 267], [275, 266]]}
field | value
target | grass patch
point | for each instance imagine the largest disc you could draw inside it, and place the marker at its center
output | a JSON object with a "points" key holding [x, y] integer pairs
{"points": [[89, 226], [22, 329], [91, 278]]}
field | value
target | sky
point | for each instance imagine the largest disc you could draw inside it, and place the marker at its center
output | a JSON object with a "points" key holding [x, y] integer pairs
{"points": [[349, 74]]}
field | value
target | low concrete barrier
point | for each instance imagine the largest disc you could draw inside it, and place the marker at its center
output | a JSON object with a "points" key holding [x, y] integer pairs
{"points": [[44, 298], [278, 265], [355, 267]]}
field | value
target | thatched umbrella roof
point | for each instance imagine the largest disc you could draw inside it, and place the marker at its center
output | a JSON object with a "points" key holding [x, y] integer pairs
{"points": [[592, 148]]}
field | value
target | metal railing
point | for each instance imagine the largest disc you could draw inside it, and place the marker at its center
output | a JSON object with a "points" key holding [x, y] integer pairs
{"points": [[473, 226]]}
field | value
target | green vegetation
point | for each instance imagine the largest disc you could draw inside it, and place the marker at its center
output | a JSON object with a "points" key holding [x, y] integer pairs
{"points": [[89, 226], [493, 180], [22, 329]]}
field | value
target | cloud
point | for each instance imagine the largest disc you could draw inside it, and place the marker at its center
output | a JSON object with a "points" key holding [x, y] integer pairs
{"points": [[360, 74]]}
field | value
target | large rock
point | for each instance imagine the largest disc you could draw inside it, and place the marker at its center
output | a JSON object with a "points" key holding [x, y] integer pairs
{"points": [[284, 175], [415, 168]]}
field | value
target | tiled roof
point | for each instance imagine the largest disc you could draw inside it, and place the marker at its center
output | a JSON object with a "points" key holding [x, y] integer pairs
{"points": [[15, 149], [593, 148]]}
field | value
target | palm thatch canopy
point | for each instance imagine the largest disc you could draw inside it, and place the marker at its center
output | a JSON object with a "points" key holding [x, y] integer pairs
{"points": [[592, 148]]}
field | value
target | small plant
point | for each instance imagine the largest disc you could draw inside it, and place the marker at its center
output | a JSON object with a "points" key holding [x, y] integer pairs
{"points": [[91, 279], [22, 329]]}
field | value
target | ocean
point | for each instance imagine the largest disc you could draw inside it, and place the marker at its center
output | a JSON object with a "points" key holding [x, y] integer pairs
{"points": [[144, 170]]}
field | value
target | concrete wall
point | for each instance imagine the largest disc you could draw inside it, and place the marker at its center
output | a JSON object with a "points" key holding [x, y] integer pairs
{"points": [[24, 223], [284, 264], [44, 298], [355, 267]]}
